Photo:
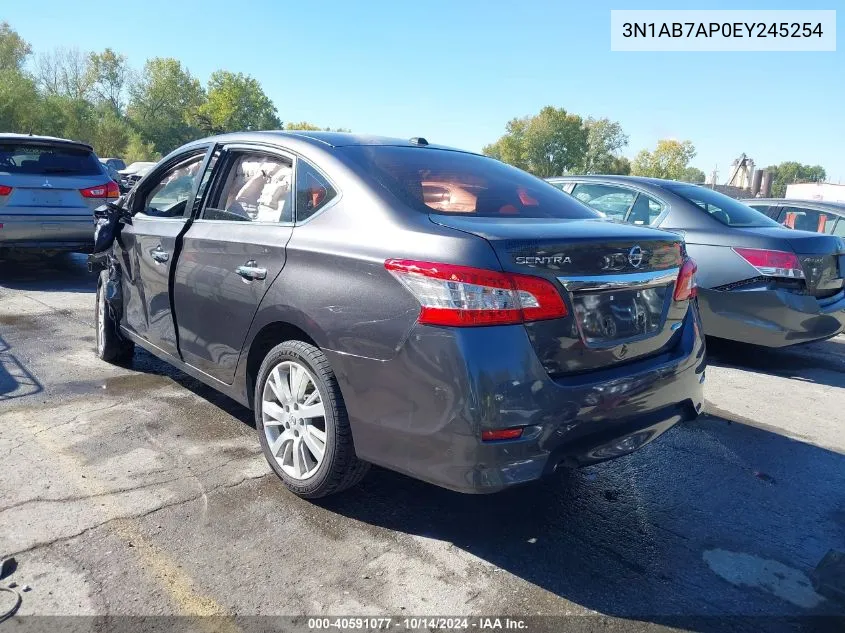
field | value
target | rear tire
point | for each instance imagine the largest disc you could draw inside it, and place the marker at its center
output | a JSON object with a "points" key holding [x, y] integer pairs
{"points": [[110, 346], [302, 422]]}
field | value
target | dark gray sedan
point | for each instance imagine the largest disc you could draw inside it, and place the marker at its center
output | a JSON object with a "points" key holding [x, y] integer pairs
{"points": [[758, 281], [383, 301]]}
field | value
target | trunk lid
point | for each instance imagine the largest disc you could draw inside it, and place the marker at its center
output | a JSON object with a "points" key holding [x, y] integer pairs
{"points": [[617, 281], [50, 195]]}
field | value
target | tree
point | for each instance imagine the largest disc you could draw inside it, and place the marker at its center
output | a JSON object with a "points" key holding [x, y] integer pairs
{"points": [[236, 102], [67, 117], [619, 165], [110, 74], [18, 102], [163, 104], [790, 172], [305, 125], [65, 72], [547, 144], [13, 48], [669, 160], [138, 149], [693, 174], [604, 140]]}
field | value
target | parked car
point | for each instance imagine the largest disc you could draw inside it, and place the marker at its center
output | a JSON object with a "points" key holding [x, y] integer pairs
{"points": [[323, 280], [758, 281], [111, 171], [805, 215], [49, 188], [115, 163], [132, 174]]}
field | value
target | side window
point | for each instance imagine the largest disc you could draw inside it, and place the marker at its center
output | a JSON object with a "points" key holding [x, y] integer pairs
{"points": [[805, 219], [839, 229], [313, 191], [256, 187], [168, 197], [645, 211], [609, 200]]}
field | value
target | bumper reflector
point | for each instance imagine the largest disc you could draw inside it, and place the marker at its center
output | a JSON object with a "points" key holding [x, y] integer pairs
{"points": [[501, 434]]}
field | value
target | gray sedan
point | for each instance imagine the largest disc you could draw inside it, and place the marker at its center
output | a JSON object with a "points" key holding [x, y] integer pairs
{"points": [[393, 302], [759, 282]]}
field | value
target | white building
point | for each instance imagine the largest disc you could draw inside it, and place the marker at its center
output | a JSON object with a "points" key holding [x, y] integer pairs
{"points": [[825, 191]]}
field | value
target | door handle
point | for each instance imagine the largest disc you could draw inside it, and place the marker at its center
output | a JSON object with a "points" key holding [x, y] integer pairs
{"points": [[160, 255], [251, 272]]}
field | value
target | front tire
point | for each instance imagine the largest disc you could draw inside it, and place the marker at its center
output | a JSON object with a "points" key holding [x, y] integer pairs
{"points": [[110, 346], [302, 422]]}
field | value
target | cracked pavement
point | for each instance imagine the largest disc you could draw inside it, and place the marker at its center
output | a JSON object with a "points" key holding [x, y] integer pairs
{"points": [[139, 491]]}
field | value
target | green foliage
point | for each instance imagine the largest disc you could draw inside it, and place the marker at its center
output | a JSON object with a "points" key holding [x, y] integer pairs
{"points": [[790, 172], [164, 102], [305, 125], [547, 144], [694, 175], [13, 49], [620, 166], [669, 160], [236, 102], [110, 73], [604, 140], [18, 101]]}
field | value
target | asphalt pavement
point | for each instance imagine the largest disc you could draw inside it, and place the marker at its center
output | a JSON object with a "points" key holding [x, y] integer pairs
{"points": [[140, 491]]}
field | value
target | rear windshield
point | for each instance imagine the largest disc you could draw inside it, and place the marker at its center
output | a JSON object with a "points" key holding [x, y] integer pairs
{"points": [[725, 209], [440, 181], [39, 159]]}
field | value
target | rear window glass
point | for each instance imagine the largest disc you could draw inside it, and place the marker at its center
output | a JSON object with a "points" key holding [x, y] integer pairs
{"points": [[441, 181], [725, 209], [38, 159]]}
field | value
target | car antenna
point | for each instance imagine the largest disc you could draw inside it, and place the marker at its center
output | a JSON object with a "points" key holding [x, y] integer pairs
{"points": [[419, 140]]}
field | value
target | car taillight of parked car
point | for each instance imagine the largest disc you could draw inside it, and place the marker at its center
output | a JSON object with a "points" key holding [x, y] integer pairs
{"points": [[685, 287], [5, 190], [108, 190], [772, 263], [463, 296]]}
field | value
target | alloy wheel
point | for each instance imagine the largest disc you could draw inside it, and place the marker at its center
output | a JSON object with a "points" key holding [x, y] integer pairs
{"points": [[294, 419]]}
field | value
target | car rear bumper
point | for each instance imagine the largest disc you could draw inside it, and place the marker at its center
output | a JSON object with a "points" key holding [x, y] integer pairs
{"points": [[422, 413], [774, 318], [71, 232]]}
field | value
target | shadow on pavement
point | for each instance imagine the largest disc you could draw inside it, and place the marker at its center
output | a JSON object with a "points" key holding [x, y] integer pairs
{"points": [[16, 381], [821, 363], [64, 272], [714, 519]]}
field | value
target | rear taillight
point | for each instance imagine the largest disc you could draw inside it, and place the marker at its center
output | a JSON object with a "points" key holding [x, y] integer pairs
{"points": [[108, 190], [5, 190], [464, 296], [685, 287], [772, 263]]}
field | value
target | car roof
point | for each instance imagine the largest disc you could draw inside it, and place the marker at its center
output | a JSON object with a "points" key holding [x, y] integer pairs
{"points": [[34, 138], [829, 204], [320, 139], [642, 180]]}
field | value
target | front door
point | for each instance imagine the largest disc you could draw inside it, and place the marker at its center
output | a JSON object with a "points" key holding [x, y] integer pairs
{"points": [[230, 255], [160, 212]]}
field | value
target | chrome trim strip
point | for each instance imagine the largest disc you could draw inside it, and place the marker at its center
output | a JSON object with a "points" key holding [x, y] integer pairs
{"points": [[617, 282]]}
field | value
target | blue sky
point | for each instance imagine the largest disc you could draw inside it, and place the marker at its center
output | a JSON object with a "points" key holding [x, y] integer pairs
{"points": [[456, 72]]}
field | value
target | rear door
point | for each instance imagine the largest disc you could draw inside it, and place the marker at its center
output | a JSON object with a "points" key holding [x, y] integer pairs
{"points": [[231, 254], [160, 212]]}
